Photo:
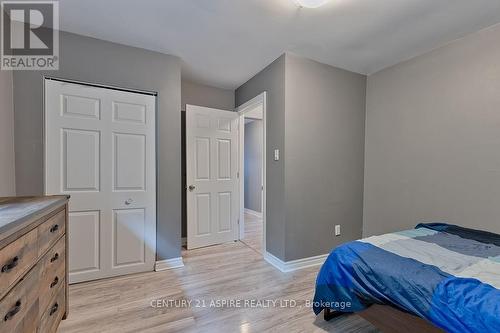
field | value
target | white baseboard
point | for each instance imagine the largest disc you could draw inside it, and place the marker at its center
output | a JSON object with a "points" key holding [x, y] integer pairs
{"points": [[253, 212], [163, 265], [294, 265]]}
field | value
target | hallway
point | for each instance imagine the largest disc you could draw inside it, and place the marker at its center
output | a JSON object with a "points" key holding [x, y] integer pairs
{"points": [[254, 227]]}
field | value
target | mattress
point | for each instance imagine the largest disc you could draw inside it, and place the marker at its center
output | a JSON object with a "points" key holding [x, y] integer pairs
{"points": [[443, 273]]}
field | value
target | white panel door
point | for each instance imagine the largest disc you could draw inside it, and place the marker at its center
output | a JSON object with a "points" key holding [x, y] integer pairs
{"points": [[212, 176], [100, 149]]}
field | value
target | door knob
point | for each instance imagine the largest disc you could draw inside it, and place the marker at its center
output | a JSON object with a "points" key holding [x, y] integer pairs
{"points": [[128, 201], [191, 188]]}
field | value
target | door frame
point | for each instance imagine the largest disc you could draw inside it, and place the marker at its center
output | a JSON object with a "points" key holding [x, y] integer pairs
{"points": [[45, 78], [244, 108]]}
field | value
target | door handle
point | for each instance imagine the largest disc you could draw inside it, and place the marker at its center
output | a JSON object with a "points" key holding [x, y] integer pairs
{"points": [[191, 188], [128, 202]]}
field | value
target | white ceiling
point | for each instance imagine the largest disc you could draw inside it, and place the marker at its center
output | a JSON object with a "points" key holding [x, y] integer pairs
{"points": [[225, 42]]}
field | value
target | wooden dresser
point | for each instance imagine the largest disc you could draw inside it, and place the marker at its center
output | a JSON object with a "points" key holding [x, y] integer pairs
{"points": [[33, 263]]}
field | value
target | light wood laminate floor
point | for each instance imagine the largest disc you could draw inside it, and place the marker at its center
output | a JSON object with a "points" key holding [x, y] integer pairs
{"points": [[253, 232], [230, 271]]}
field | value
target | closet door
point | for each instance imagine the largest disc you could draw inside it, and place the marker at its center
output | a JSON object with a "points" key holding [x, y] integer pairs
{"points": [[100, 149]]}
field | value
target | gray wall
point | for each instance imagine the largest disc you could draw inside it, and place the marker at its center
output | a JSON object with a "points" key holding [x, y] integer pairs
{"points": [[202, 95], [199, 94], [433, 139], [315, 116], [324, 130], [253, 165], [272, 80], [7, 170], [93, 60]]}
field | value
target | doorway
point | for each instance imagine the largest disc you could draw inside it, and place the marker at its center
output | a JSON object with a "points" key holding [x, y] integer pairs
{"points": [[214, 181], [252, 168]]}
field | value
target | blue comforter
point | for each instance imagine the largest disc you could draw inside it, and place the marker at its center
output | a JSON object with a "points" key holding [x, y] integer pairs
{"points": [[446, 274]]}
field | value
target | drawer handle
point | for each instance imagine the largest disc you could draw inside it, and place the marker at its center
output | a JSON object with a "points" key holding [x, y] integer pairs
{"points": [[53, 309], [13, 312], [55, 257], [54, 228], [54, 283], [10, 266]]}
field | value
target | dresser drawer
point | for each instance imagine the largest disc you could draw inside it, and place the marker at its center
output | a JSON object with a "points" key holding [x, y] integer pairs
{"points": [[19, 309], [50, 231], [53, 314], [16, 258], [53, 272]]}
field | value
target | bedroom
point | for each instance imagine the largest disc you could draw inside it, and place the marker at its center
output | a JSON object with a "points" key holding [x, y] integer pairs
{"points": [[377, 116]]}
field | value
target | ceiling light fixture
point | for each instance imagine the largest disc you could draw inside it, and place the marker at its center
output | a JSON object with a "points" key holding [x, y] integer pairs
{"points": [[310, 3]]}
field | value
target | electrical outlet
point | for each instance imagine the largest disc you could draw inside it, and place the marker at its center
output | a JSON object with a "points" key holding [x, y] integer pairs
{"points": [[337, 230]]}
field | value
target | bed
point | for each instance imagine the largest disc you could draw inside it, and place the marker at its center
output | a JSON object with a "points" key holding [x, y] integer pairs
{"points": [[432, 278]]}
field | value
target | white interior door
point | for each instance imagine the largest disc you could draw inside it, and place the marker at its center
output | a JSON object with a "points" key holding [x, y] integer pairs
{"points": [[212, 176], [100, 149]]}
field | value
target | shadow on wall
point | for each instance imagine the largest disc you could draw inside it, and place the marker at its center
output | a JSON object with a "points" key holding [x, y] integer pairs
{"points": [[253, 164]]}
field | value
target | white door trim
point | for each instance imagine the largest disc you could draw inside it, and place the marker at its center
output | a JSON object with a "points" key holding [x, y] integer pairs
{"points": [[248, 106]]}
